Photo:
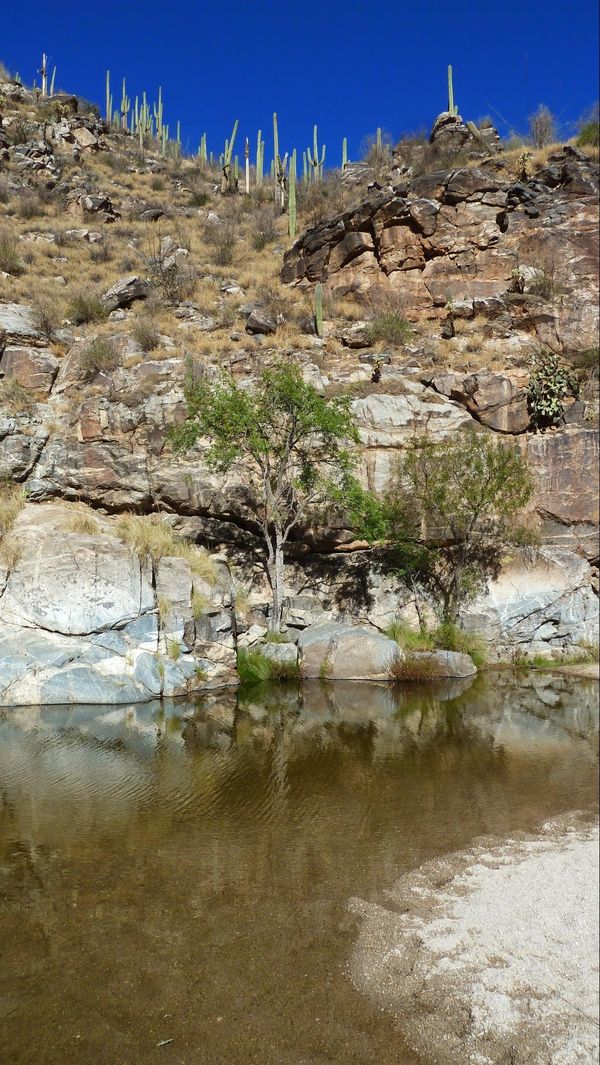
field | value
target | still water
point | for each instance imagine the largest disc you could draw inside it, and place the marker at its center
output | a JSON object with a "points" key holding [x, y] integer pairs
{"points": [[179, 874]]}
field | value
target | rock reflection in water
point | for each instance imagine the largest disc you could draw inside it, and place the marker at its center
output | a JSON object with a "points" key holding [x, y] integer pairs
{"points": [[165, 866]]}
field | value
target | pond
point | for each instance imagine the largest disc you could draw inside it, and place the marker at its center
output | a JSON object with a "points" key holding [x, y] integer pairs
{"points": [[175, 878]]}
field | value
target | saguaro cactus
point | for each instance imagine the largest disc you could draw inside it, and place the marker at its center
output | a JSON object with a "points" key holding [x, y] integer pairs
{"points": [[260, 158], [314, 160], [202, 153], [226, 183], [247, 166], [52, 81], [292, 196], [43, 72], [319, 310], [125, 105], [344, 153], [452, 108], [158, 114], [108, 111]]}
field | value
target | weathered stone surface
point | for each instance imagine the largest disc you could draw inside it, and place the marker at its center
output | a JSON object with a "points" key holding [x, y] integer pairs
{"points": [[463, 233], [18, 323], [33, 368], [337, 651], [259, 321], [538, 606], [80, 620], [494, 399], [446, 664], [281, 653], [125, 292], [565, 464]]}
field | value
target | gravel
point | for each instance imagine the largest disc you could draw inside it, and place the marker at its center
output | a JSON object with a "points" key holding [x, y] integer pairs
{"points": [[490, 957]]}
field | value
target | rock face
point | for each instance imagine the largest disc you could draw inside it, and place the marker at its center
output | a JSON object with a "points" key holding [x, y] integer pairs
{"points": [[345, 652], [463, 233], [80, 620], [538, 607]]}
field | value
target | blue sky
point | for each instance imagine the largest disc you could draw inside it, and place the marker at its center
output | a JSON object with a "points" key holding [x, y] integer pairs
{"points": [[350, 65]]}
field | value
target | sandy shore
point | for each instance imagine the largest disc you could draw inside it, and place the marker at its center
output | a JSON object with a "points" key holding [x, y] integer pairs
{"points": [[490, 957]]}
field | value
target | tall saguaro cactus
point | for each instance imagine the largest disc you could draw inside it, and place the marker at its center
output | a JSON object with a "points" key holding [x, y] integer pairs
{"points": [[43, 71], [344, 153], [452, 108], [125, 105], [260, 158], [158, 114], [314, 160], [292, 196], [108, 111], [52, 81]]}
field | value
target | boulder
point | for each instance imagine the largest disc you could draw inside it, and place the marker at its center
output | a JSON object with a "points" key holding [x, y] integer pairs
{"points": [[445, 664], [259, 321], [342, 651], [281, 653], [125, 292], [33, 368], [18, 322], [84, 138]]}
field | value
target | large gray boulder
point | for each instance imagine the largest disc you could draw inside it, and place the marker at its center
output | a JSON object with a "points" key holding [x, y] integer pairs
{"points": [[341, 651], [84, 620], [125, 291]]}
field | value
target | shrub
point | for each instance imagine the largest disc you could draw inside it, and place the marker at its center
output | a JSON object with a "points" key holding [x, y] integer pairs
{"points": [[221, 238], [10, 259], [386, 318], [146, 334], [542, 127], [14, 397], [85, 307], [253, 668], [198, 198], [409, 639], [30, 206], [589, 135], [12, 501], [549, 385], [46, 317], [98, 357], [264, 228], [449, 637]]}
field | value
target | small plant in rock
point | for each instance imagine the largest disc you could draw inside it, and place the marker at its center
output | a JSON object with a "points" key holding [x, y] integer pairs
{"points": [[549, 385], [12, 501], [85, 307], [387, 322], [264, 228], [146, 334], [46, 317], [221, 238], [15, 397], [174, 649], [10, 258], [98, 357]]}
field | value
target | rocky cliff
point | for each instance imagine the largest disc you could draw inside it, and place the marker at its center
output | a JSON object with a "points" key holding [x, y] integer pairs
{"points": [[487, 268]]}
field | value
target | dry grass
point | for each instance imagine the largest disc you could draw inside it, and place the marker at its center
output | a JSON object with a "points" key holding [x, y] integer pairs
{"points": [[83, 523], [12, 501], [151, 537], [14, 397]]}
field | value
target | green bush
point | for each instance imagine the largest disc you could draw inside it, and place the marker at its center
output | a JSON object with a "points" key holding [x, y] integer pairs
{"points": [[449, 637], [85, 307], [410, 639], [254, 668], [146, 335], [391, 328], [98, 357], [588, 135]]}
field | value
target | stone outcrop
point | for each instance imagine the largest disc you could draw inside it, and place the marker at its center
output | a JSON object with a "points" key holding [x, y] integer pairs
{"points": [[463, 234], [346, 652], [83, 619]]}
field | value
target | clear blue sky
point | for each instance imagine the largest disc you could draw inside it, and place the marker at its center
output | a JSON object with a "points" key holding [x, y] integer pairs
{"points": [[350, 65]]}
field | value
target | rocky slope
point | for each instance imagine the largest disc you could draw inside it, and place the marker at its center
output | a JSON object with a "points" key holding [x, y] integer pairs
{"points": [[87, 395]]}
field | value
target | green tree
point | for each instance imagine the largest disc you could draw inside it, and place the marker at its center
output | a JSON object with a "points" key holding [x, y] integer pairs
{"points": [[451, 511], [287, 440]]}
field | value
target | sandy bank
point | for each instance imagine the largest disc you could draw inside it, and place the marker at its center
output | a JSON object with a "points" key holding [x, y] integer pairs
{"points": [[490, 956]]}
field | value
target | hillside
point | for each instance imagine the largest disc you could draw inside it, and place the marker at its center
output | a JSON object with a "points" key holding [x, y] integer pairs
{"points": [[447, 268]]}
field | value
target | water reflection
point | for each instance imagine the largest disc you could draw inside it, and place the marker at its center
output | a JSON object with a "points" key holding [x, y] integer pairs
{"points": [[164, 866]]}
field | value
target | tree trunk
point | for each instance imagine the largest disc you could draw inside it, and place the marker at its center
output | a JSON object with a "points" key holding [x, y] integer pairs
{"points": [[276, 578]]}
